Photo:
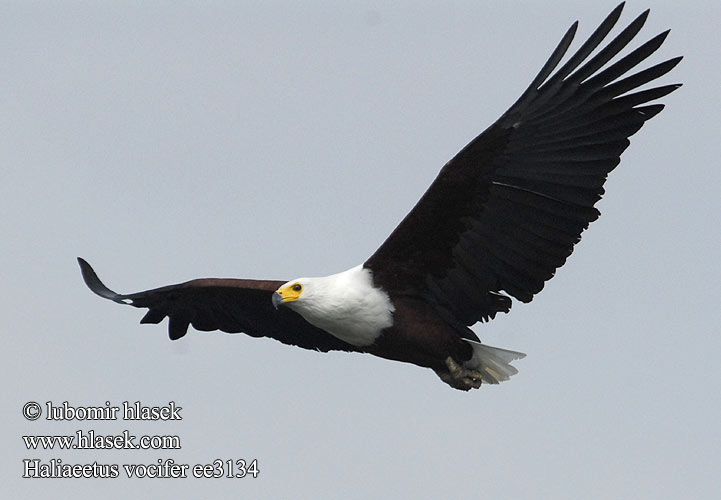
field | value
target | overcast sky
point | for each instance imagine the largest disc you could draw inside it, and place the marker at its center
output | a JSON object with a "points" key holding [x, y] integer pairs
{"points": [[164, 141]]}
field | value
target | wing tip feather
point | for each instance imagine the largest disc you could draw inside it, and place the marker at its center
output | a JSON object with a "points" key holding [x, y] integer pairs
{"points": [[96, 286]]}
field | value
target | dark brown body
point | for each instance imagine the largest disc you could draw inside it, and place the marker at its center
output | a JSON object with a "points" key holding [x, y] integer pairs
{"points": [[419, 335]]}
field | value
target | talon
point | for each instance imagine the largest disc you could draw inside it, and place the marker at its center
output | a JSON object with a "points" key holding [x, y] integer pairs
{"points": [[459, 377]]}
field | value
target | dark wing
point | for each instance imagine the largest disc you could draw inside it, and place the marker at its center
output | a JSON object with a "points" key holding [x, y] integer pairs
{"points": [[230, 305], [504, 214]]}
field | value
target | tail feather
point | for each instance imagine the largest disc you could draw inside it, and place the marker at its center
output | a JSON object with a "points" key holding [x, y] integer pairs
{"points": [[493, 363]]}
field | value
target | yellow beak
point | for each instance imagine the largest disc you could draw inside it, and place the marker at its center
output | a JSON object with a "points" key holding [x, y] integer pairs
{"points": [[285, 294]]}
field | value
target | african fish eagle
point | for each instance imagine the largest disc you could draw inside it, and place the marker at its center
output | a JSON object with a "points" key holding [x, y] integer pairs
{"points": [[498, 221]]}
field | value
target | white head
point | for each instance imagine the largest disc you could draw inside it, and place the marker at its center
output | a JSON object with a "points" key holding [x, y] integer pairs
{"points": [[298, 292], [346, 305]]}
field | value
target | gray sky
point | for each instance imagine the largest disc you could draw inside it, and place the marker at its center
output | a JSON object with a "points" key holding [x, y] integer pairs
{"points": [[164, 142]]}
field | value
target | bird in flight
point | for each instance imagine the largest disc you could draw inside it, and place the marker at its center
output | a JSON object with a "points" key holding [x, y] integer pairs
{"points": [[496, 223]]}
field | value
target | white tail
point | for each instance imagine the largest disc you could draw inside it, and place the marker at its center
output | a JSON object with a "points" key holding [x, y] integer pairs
{"points": [[493, 363]]}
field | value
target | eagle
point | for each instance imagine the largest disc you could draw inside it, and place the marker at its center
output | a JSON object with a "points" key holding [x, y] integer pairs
{"points": [[496, 223]]}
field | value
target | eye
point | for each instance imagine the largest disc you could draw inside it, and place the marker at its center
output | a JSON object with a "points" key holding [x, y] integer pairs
{"points": [[297, 287]]}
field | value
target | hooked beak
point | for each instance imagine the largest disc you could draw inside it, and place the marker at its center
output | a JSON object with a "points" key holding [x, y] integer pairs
{"points": [[277, 299]]}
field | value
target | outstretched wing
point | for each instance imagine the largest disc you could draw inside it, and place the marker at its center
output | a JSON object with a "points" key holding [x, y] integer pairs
{"points": [[230, 305], [505, 213]]}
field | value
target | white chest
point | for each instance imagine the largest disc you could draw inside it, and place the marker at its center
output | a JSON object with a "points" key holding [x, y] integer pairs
{"points": [[347, 306]]}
